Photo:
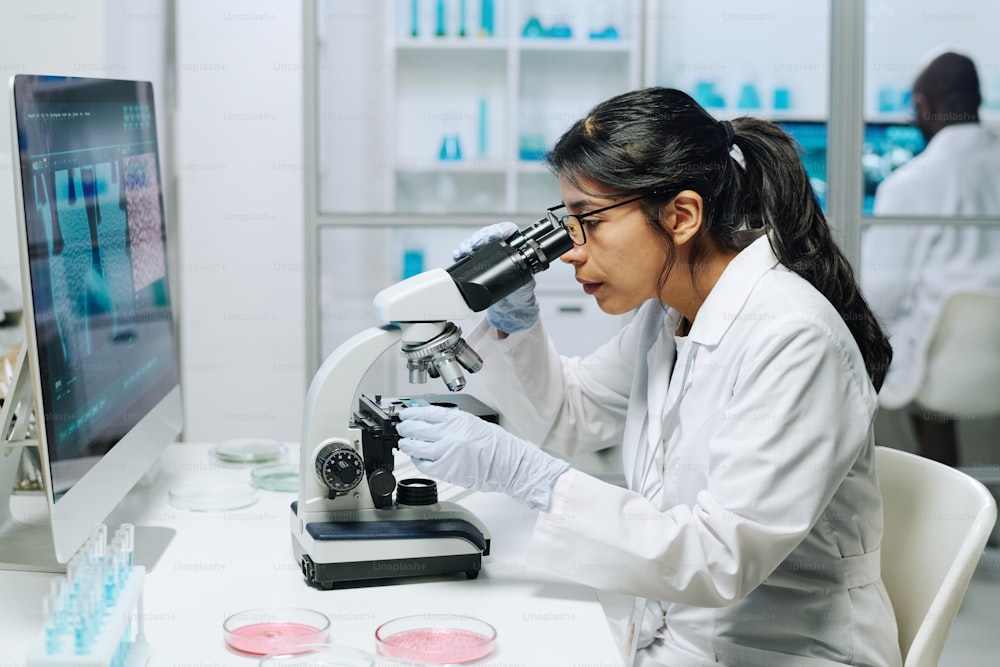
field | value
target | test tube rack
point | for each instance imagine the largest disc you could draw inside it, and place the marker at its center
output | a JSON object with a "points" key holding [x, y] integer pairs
{"points": [[93, 617]]}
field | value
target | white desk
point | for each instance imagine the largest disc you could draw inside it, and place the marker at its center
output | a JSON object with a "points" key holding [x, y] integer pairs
{"points": [[222, 563]]}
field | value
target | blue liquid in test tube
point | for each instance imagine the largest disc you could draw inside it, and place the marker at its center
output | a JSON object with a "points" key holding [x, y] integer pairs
{"points": [[440, 29], [483, 126], [486, 18]]}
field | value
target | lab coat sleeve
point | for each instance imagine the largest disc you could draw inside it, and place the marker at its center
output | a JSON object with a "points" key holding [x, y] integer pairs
{"points": [[568, 405], [797, 419]]}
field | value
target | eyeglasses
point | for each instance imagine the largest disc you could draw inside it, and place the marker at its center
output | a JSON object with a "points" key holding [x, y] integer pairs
{"points": [[574, 223]]}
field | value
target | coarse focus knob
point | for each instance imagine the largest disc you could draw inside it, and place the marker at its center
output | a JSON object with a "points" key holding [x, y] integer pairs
{"points": [[339, 467]]}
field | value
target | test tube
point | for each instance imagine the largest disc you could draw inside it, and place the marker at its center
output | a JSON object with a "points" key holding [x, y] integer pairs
{"points": [[59, 594], [99, 537], [74, 574], [128, 531], [112, 577], [85, 611], [118, 551], [53, 635]]}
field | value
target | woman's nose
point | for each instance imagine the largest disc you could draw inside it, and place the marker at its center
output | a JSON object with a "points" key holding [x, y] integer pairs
{"points": [[575, 255]]}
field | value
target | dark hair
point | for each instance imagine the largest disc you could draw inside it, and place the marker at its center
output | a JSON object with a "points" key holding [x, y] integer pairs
{"points": [[951, 84], [660, 141]]}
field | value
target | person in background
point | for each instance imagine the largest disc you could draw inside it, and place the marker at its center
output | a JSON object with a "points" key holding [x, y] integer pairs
{"points": [[907, 272], [742, 390]]}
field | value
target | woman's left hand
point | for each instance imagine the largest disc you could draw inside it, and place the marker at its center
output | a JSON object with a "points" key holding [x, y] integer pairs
{"points": [[460, 448]]}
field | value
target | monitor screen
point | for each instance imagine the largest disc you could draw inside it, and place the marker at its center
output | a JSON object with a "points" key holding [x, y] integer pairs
{"points": [[99, 330], [886, 147]]}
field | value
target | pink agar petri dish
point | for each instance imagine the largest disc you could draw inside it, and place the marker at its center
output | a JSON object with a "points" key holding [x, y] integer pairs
{"points": [[263, 631], [439, 639]]}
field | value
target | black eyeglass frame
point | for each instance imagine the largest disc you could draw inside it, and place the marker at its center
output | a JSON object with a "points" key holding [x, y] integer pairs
{"points": [[550, 214]]}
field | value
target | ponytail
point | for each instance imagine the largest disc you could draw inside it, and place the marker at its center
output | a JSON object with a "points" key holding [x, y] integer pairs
{"points": [[659, 141], [774, 187]]}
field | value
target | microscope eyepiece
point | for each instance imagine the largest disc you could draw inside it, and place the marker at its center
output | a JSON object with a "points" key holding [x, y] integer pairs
{"points": [[498, 268]]}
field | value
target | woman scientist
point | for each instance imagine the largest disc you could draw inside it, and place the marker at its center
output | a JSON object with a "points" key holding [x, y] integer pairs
{"points": [[742, 390]]}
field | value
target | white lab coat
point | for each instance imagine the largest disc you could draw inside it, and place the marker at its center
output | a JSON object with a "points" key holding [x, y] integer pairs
{"points": [[907, 272], [753, 511]]}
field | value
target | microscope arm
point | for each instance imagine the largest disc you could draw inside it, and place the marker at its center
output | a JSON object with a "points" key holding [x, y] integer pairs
{"points": [[330, 405]]}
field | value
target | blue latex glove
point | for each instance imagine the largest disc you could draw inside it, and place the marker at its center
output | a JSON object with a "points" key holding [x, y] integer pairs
{"points": [[518, 310], [460, 448]]}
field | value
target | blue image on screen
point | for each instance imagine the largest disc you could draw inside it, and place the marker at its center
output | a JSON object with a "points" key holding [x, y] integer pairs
{"points": [[886, 147]]}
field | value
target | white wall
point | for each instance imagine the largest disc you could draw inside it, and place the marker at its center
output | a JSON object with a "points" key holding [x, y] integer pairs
{"points": [[239, 168], [64, 37]]}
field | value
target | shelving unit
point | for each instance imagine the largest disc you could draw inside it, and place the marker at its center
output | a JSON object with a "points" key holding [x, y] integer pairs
{"points": [[497, 97]]}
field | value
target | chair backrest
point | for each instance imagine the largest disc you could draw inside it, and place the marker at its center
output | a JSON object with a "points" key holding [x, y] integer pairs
{"points": [[937, 521], [962, 367]]}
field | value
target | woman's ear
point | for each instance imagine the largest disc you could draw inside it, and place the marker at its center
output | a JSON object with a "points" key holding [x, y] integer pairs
{"points": [[682, 217]]}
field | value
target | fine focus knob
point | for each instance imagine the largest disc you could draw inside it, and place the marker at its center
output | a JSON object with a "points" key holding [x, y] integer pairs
{"points": [[340, 468]]}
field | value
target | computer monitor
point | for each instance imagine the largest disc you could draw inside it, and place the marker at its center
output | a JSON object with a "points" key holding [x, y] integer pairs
{"points": [[100, 363], [887, 147]]}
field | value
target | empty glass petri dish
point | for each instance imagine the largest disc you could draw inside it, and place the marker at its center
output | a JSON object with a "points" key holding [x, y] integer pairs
{"points": [[437, 639], [264, 631], [246, 451], [276, 477], [212, 495], [322, 655]]}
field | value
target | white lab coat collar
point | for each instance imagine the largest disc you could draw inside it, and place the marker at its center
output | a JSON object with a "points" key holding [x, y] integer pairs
{"points": [[959, 138], [731, 292]]}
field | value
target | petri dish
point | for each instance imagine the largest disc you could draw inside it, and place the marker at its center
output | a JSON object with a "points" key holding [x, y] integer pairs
{"points": [[276, 477], [212, 495], [436, 639], [322, 655], [265, 631], [248, 451]]}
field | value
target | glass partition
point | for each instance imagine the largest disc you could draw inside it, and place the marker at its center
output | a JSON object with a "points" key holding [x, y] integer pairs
{"points": [[931, 216], [901, 38]]}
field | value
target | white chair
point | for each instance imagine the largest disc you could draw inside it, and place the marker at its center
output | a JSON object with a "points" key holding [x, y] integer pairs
{"points": [[961, 374], [962, 363], [937, 521]]}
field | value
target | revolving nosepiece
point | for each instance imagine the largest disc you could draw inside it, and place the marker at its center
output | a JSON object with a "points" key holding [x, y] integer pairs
{"points": [[443, 356]]}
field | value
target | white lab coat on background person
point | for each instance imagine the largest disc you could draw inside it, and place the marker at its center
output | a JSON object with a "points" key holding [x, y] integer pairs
{"points": [[907, 272], [753, 513]]}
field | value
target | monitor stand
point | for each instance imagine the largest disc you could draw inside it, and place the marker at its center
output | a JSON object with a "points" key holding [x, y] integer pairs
{"points": [[26, 544], [26, 534], [25, 530]]}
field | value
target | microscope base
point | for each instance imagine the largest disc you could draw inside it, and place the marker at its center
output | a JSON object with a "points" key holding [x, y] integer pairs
{"points": [[429, 541], [328, 576]]}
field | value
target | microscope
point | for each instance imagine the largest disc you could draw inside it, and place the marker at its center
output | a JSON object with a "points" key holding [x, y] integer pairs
{"points": [[353, 523]]}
